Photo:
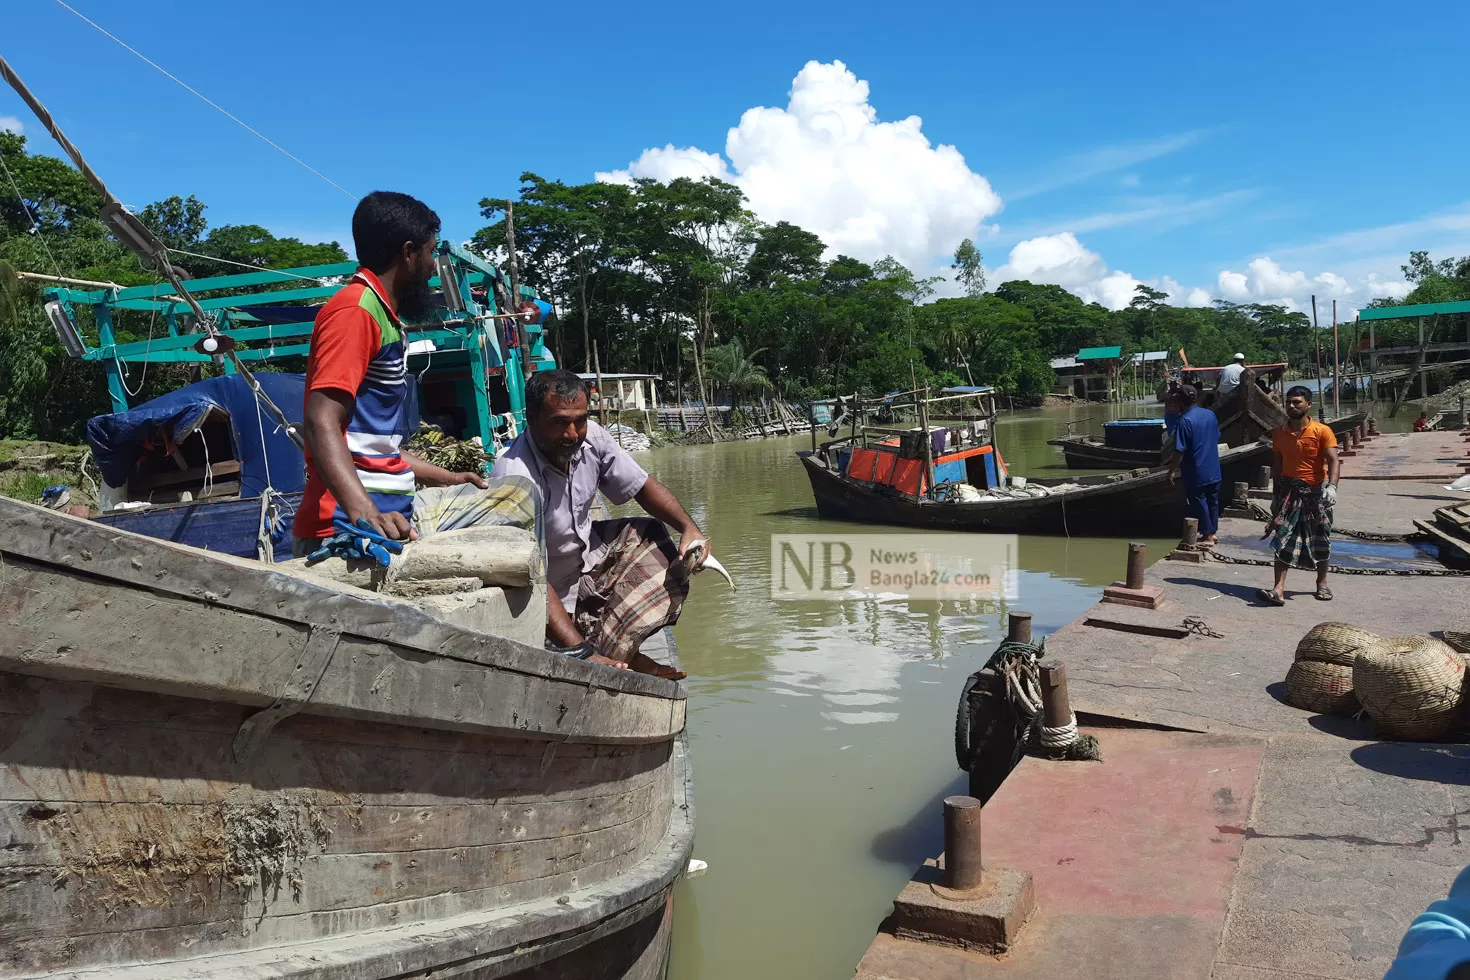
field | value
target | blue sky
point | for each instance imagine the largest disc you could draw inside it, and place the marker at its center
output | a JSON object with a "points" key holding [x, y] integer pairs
{"points": [[1255, 151]]}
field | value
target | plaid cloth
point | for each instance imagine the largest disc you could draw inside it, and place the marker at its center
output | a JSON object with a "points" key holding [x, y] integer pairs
{"points": [[635, 590], [1300, 528]]}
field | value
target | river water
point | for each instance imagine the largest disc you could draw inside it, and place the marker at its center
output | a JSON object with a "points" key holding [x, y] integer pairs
{"points": [[822, 732]]}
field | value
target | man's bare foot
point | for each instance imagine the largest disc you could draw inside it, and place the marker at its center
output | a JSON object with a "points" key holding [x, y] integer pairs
{"points": [[647, 665], [598, 658]]}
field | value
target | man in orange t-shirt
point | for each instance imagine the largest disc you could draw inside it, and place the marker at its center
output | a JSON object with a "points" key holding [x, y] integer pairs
{"points": [[1304, 469]]}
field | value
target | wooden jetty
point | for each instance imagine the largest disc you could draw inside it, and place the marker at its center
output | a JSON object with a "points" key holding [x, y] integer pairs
{"points": [[1225, 835], [215, 768]]}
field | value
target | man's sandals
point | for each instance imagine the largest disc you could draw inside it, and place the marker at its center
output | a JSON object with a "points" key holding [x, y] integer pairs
{"points": [[1270, 597]]}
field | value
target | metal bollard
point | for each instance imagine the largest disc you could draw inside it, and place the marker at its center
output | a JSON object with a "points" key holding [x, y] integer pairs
{"points": [[1362, 430], [1372, 426], [1241, 497], [1056, 706], [1262, 479], [1020, 628], [962, 867], [1137, 553], [1191, 533], [1356, 439]]}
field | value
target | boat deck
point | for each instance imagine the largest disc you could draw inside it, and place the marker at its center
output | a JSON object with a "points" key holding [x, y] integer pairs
{"points": [[1234, 837]]}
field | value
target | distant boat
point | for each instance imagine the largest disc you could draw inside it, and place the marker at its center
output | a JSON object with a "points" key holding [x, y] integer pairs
{"points": [[884, 475]]}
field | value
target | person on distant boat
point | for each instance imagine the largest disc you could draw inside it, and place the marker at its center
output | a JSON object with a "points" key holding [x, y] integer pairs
{"points": [[1304, 469], [613, 583], [357, 396], [1197, 444], [1421, 424], [1229, 379]]}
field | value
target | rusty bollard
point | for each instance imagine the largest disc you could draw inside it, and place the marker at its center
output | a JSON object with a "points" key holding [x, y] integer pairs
{"points": [[962, 865], [1056, 706], [1262, 478], [1020, 628], [1372, 426], [1132, 591], [1188, 547], [1241, 498], [1191, 533], [1137, 553]]}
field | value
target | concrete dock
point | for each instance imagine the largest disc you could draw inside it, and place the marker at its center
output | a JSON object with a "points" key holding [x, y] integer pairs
{"points": [[1226, 834]]}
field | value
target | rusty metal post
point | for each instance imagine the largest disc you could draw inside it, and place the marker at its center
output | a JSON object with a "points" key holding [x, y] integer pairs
{"points": [[1056, 706], [1241, 497], [1019, 628], [1372, 426], [1354, 438], [1363, 430], [962, 867], [1191, 532], [1137, 553], [1262, 478]]}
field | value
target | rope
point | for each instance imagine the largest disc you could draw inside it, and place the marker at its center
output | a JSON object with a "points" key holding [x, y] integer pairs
{"points": [[236, 119], [325, 281], [35, 224], [143, 378], [1059, 738]]}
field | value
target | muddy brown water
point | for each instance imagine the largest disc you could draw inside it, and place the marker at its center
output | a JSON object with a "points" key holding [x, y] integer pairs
{"points": [[822, 732]]}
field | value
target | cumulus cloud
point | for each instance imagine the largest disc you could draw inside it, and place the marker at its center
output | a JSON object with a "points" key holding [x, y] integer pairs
{"points": [[1267, 281], [826, 162], [12, 124], [1064, 261]]}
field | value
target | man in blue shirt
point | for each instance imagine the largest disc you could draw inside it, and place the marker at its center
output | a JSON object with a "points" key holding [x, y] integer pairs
{"points": [[1197, 442]]}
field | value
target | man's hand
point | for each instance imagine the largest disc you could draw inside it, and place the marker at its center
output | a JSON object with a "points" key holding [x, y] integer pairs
{"points": [[1172, 474], [1329, 495], [474, 478], [392, 525], [692, 537]]}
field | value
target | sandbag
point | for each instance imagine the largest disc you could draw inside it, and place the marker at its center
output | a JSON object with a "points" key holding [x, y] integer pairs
{"points": [[1411, 686], [446, 562], [1322, 687], [1335, 643]]}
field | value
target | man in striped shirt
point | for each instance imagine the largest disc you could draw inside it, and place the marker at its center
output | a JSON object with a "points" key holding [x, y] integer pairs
{"points": [[357, 392]]}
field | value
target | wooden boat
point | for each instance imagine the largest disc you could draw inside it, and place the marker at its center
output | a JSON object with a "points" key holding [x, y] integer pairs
{"points": [[1126, 444], [215, 768], [1140, 502]]}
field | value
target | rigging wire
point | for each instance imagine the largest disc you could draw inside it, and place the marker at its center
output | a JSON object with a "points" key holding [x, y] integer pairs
{"points": [[122, 371], [195, 92], [324, 280], [35, 224]]}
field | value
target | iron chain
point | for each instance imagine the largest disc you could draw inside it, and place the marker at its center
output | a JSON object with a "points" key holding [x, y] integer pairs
{"points": [[1341, 570]]}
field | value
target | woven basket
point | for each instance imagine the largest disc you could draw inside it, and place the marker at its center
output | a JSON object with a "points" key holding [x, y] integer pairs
{"points": [[1411, 686], [1321, 687], [1459, 640], [1335, 643]]}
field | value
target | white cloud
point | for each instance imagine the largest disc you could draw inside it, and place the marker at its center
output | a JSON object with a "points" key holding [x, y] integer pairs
{"points": [[827, 163], [1267, 281], [1064, 261], [12, 124], [1110, 159]]}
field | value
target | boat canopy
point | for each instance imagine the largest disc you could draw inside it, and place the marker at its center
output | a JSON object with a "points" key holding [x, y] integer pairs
{"points": [[267, 456]]}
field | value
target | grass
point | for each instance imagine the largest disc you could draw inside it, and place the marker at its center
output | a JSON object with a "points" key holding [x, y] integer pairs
{"points": [[27, 468]]}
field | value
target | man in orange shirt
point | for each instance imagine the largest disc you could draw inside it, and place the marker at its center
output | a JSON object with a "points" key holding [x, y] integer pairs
{"points": [[1304, 470]]}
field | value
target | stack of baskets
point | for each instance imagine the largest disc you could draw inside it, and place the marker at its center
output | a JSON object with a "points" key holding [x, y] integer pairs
{"points": [[1411, 686], [1321, 679]]}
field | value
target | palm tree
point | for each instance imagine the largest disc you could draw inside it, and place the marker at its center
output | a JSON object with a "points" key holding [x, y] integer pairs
{"points": [[729, 366]]}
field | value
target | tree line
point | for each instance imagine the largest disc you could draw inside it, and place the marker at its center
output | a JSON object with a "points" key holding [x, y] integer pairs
{"points": [[676, 278]]}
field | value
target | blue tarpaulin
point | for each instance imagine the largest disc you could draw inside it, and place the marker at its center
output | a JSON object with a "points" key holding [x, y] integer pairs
{"points": [[266, 453]]}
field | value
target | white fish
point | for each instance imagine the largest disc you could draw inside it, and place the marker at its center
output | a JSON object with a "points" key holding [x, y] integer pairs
{"points": [[712, 562]]}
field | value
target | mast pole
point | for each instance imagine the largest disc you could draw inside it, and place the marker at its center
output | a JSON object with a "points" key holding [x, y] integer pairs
{"points": [[148, 248], [515, 290]]}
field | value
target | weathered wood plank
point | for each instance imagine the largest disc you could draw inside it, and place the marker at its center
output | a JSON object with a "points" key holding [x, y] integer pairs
{"points": [[64, 625], [122, 889], [56, 539]]}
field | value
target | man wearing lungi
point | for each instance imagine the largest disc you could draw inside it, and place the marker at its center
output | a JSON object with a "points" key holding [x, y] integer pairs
{"points": [[612, 583], [1304, 470]]}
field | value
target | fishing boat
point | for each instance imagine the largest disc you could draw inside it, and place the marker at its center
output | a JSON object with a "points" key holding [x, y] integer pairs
{"points": [[1248, 414], [953, 476], [216, 767]]}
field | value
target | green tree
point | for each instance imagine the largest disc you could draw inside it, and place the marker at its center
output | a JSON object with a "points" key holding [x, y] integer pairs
{"points": [[968, 267]]}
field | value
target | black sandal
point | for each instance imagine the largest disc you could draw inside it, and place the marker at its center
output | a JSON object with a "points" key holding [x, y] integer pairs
{"points": [[1270, 597]]}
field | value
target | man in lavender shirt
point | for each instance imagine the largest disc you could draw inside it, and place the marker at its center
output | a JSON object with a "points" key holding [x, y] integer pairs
{"points": [[571, 458]]}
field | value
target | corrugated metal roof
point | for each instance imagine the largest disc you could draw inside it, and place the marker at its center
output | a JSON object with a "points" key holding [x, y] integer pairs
{"points": [[1057, 363], [1148, 356], [1100, 353]]}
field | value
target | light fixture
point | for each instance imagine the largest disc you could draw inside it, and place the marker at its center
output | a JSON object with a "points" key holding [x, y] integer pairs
{"points": [[66, 331], [132, 233], [449, 282]]}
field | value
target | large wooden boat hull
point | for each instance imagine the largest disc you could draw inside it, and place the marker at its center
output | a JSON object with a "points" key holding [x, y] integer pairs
{"points": [[1082, 453], [214, 769], [1139, 504]]}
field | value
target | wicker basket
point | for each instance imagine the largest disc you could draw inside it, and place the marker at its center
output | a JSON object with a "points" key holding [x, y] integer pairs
{"points": [[1459, 640], [1321, 687], [1335, 643], [1411, 686]]}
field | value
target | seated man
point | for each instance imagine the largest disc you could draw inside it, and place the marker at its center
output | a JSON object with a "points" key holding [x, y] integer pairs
{"points": [[1421, 424], [613, 583]]}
